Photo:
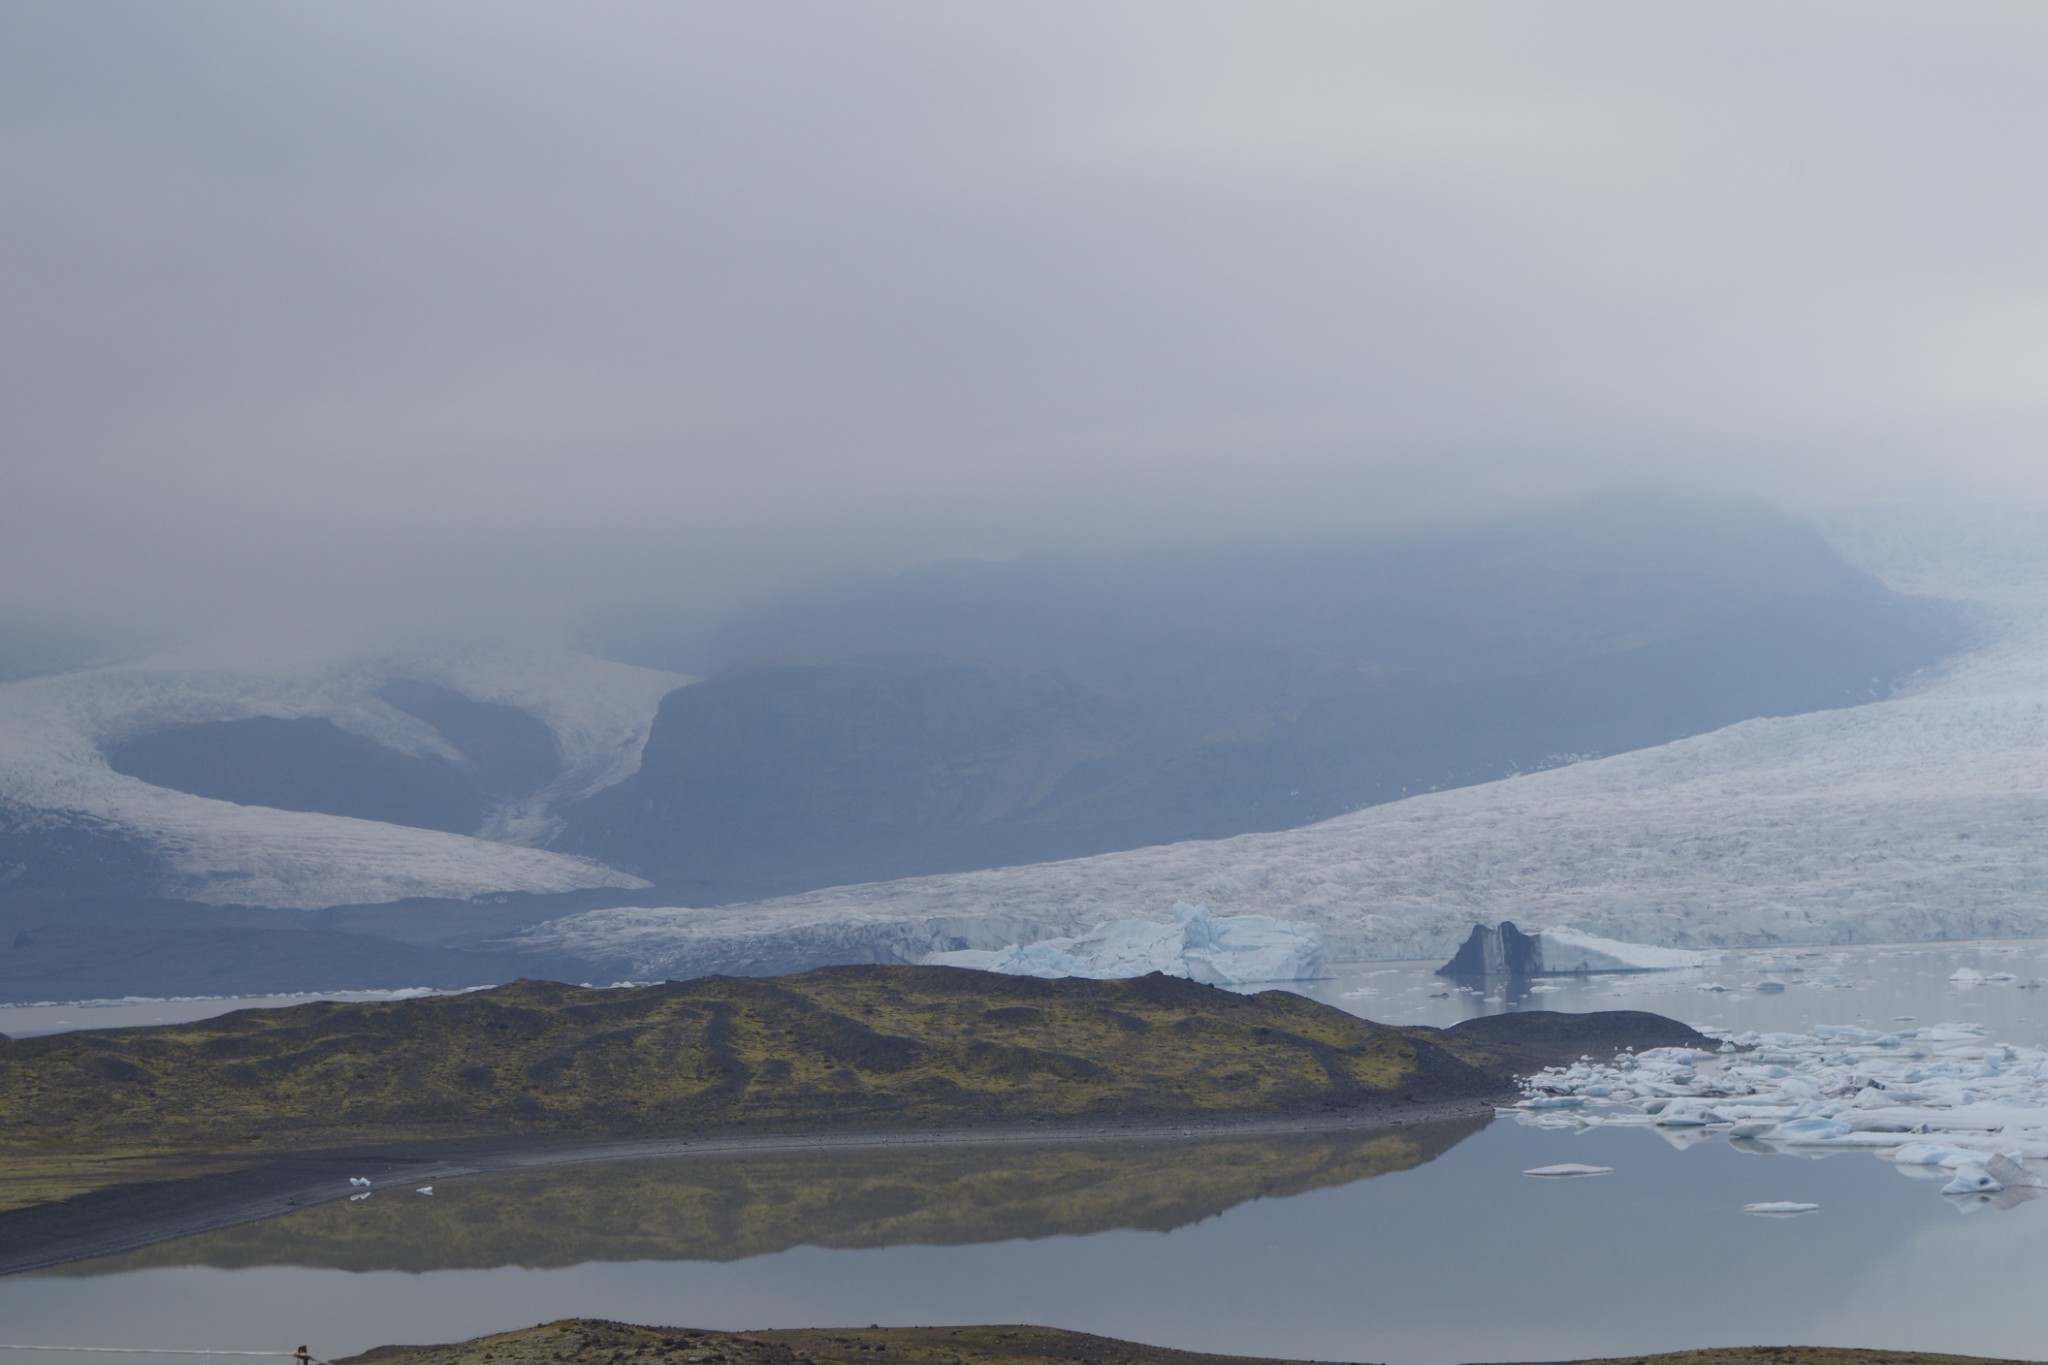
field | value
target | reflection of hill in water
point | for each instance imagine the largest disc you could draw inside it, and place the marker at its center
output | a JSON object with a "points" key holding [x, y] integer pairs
{"points": [[729, 1208]]}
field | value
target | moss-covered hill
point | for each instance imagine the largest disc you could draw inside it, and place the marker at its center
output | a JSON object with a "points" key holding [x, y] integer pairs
{"points": [[836, 1047], [584, 1342]]}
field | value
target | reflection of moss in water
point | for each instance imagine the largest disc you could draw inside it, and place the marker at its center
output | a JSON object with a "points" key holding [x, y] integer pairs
{"points": [[727, 1208]]}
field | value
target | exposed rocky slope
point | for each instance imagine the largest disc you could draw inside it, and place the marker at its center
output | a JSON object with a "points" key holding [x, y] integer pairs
{"points": [[585, 1342]]}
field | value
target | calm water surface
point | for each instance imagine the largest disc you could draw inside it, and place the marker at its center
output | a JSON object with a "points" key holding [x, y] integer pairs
{"points": [[1429, 1247]]}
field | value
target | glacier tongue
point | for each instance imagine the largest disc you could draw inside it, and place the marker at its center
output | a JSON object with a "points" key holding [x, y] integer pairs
{"points": [[1233, 950]]}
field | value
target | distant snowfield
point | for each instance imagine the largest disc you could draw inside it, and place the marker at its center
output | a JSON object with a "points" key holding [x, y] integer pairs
{"points": [[53, 731], [1921, 817]]}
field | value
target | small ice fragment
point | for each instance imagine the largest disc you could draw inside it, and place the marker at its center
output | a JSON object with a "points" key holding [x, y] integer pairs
{"points": [[358, 1196], [1922, 1154], [424, 1189], [1753, 1128], [1567, 1168], [361, 1180], [1781, 1209], [1905, 1018], [1769, 986]]}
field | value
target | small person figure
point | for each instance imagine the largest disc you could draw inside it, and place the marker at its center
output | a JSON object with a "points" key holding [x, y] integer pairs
{"points": [[302, 1356]]}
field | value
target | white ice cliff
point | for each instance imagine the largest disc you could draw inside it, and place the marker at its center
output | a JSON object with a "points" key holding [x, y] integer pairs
{"points": [[1227, 951]]}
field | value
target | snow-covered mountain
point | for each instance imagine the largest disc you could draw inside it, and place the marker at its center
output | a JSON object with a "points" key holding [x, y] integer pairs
{"points": [[58, 791], [1923, 816]]}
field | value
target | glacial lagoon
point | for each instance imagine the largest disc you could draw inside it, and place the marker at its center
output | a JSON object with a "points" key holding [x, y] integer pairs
{"points": [[1425, 1245]]}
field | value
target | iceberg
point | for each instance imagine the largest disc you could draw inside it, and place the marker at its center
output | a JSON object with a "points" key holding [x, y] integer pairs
{"points": [[1219, 951], [1973, 1179], [1570, 951]]}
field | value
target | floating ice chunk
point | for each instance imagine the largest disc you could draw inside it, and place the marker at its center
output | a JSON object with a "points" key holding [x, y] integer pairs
{"points": [[1811, 1130], [1780, 1209], [1973, 1180], [359, 1196], [1227, 951], [1770, 986], [1753, 1128], [424, 1189], [359, 1180], [1964, 976], [1572, 951], [1921, 1154], [1570, 1168]]}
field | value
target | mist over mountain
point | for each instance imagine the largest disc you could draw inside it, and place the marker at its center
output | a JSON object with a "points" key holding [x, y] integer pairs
{"points": [[964, 715], [975, 714]]}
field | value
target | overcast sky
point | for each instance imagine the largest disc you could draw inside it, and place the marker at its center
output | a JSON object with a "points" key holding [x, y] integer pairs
{"points": [[417, 310]]}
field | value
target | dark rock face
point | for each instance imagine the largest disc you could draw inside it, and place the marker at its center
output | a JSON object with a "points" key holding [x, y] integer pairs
{"points": [[312, 764], [302, 764], [1502, 950]]}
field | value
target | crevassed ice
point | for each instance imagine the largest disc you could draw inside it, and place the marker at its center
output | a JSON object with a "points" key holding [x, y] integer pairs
{"points": [[1226, 951], [1943, 1101]]}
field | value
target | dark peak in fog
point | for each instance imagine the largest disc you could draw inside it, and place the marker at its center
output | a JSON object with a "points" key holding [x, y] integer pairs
{"points": [[1640, 563], [973, 714]]}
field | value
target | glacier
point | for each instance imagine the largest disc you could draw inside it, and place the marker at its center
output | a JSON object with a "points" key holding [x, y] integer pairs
{"points": [[1917, 817], [1234, 950], [54, 729]]}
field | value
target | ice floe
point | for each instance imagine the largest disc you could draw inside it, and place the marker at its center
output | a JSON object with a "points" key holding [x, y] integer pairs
{"points": [[1564, 950], [1570, 1168], [1780, 1209], [1943, 1099], [1220, 951]]}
